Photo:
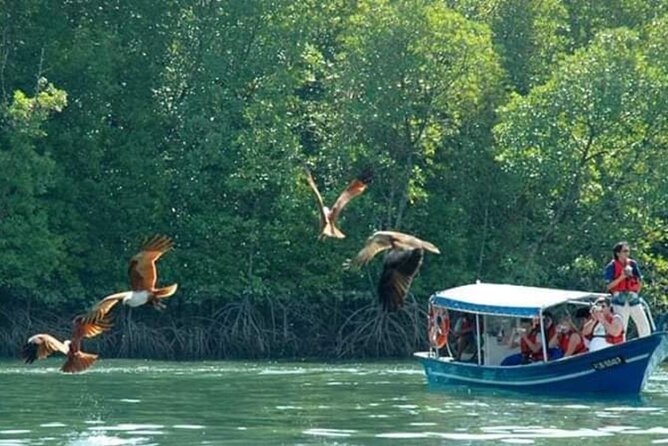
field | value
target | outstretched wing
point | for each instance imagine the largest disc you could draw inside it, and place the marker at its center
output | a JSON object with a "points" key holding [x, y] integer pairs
{"points": [[87, 329], [142, 270], [355, 188], [41, 346], [399, 268], [376, 243], [98, 319], [407, 241], [318, 197]]}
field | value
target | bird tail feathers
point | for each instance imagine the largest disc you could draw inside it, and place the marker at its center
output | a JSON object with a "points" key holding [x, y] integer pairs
{"points": [[165, 292], [78, 362], [330, 230]]}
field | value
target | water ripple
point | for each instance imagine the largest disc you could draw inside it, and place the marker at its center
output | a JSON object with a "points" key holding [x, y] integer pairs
{"points": [[330, 432], [179, 403]]}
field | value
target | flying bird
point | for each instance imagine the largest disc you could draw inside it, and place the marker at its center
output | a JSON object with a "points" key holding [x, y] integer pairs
{"points": [[400, 265], [329, 216], [143, 277], [144, 274], [41, 346]]}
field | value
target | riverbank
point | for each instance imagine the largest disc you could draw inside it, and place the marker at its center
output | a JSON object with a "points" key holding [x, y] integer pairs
{"points": [[248, 328]]}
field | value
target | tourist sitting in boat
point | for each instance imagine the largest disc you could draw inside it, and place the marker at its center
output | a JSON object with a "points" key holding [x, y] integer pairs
{"points": [[527, 339], [605, 328], [553, 350], [531, 344], [567, 337], [464, 335], [531, 347], [582, 315]]}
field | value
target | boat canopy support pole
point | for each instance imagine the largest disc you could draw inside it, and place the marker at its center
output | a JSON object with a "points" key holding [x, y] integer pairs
{"points": [[648, 312], [542, 335], [477, 328]]}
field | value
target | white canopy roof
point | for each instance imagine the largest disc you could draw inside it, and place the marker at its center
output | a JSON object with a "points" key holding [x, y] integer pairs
{"points": [[512, 300]]}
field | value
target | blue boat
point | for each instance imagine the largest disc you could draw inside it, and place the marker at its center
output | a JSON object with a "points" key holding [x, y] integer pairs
{"points": [[620, 369]]}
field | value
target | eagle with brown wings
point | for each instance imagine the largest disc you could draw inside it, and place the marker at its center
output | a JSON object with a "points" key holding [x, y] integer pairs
{"points": [[400, 265], [328, 217], [143, 276]]}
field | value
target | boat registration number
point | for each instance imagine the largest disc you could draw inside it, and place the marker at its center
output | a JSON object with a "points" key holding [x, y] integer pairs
{"points": [[607, 363]]}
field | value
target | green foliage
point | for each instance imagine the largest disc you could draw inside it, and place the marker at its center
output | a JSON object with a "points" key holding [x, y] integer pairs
{"points": [[523, 138], [583, 147], [588, 18], [409, 75], [530, 36], [29, 249]]}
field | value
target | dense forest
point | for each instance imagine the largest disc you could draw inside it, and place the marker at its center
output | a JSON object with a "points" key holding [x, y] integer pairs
{"points": [[524, 138]]}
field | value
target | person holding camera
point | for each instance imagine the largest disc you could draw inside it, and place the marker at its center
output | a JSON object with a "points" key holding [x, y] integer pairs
{"points": [[624, 281], [531, 342], [605, 328], [526, 338], [567, 337]]}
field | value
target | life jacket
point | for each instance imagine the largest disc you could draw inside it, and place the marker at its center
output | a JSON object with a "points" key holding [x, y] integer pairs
{"points": [[438, 327], [565, 339], [630, 283], [609, 338], [524, 347], [533, 337], [538, 356]]}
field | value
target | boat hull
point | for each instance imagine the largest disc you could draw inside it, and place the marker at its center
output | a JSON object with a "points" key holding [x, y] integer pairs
{"points": [[620, 369]]}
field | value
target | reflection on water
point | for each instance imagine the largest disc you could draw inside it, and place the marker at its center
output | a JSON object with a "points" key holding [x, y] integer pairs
{"points": [[209, 403]]}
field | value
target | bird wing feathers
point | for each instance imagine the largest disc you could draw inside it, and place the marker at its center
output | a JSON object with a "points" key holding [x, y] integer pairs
{"points": [[318, 197], [41, 346], [399, 269], [374, 244], [142, 270], [97, 320], [377, 242], [382, 240], [355, 188], [407, 241]]}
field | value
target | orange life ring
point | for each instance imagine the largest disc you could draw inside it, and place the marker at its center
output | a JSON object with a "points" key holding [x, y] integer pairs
{"points": [[438, 327]]}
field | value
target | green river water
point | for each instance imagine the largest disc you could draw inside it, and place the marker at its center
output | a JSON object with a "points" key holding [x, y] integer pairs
{"points": [[121, 402]]}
